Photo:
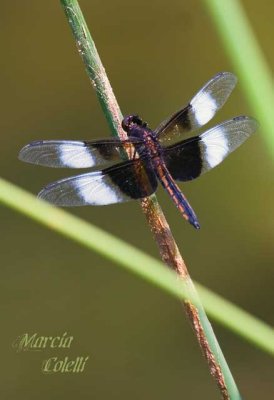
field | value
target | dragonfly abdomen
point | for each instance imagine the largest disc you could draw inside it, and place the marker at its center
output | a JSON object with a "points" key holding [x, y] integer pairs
{"points": [[175, 193]]}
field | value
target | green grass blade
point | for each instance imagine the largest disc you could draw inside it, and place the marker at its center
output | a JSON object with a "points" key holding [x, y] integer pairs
{"points": [[133, 260], [248, 59]]}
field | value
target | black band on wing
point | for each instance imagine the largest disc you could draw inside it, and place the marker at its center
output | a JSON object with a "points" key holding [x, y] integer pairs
{"points": [[126, 181], [184, 160], [136, 179]]}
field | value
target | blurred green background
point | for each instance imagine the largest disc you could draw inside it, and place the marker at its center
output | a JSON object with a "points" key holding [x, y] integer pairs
{"points": [[157, 55]]}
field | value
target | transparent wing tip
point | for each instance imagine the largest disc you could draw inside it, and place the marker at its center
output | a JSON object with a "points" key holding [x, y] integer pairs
{"points": [[24, 153], [228, 76]]}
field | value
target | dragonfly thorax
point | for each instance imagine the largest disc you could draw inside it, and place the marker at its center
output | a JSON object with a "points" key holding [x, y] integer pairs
{"points": [[132, 122]]}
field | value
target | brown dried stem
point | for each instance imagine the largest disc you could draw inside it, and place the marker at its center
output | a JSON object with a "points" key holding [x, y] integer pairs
{"points": [[158, 224]]}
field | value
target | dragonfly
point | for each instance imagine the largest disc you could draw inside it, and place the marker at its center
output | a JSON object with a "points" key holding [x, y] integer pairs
{"points": [[164, 155]]}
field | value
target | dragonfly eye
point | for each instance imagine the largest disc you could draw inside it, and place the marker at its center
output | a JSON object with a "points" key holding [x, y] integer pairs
{"points": [[131, 120]]}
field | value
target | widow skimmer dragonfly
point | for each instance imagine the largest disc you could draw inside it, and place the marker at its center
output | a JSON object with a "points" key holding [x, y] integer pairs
{"points": [[153, 159]]}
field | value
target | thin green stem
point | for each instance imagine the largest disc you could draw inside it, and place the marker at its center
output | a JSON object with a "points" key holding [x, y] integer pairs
{"points": [[94, 66], [248, 59], [133, 260]]}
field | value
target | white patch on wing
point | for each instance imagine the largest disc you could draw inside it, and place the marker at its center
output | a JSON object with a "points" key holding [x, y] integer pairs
{"points": [[204, 107], [216, 146], [76, 156], [96, 192]]}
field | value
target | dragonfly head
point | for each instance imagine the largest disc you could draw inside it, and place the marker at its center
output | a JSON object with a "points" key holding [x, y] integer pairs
{"points": [[132, 121]]}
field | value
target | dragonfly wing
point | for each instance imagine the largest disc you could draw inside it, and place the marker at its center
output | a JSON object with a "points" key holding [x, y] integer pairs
{"points": [[201, 108], [126, 181], [74, 154], [192, 157]]}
